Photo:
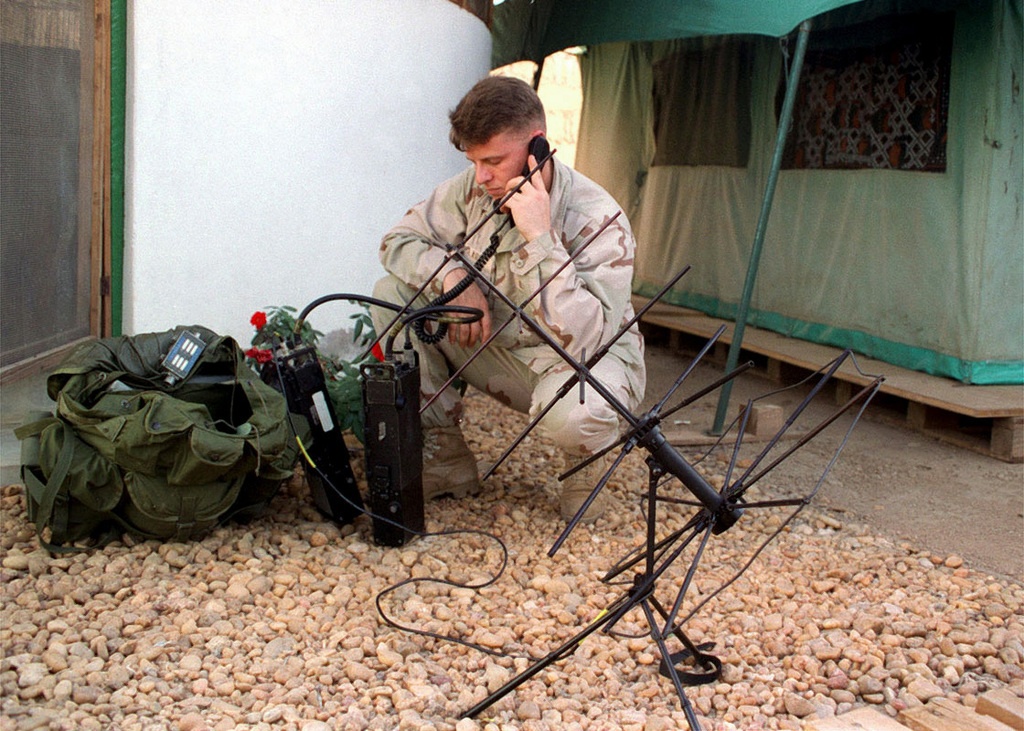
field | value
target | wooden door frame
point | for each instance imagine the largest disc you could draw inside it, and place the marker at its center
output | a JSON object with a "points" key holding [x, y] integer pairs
{"points": [[100, 311]]}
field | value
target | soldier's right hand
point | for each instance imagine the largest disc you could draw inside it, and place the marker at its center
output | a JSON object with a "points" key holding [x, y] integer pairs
{"points": [[468, 334]]}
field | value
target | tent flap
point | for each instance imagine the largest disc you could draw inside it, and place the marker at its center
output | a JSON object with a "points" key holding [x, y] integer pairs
{"points": [[921, 269], [533, 29]]}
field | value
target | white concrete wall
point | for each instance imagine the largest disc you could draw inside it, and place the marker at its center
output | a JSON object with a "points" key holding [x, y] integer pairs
{"points": [[270, 143]]}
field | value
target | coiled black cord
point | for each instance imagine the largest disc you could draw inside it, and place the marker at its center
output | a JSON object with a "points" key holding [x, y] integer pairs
{"points": [[420, 326], [437, 311]]}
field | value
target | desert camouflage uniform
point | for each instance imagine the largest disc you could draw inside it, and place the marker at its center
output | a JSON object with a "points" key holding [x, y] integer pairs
{"points": [[582, 308]]}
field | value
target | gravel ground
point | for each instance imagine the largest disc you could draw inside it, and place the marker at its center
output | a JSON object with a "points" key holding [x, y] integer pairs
{"points": [[273, 624]]}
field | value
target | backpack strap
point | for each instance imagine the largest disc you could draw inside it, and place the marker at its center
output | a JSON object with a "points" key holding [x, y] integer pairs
{"points": [[186, 519], [50, 502]]}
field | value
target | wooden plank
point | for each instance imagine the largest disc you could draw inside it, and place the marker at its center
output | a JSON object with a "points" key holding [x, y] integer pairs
{"points": [[1003, 705], [859, 719], [102, 208], [99, 185], [941, 714], [1008, 439], [974, 401], [945, 425]]}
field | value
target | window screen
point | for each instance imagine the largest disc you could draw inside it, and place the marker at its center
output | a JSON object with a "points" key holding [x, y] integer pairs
{"points": [[45, 144]]}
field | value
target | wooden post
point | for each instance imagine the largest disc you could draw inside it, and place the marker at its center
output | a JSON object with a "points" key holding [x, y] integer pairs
{"points": [[100, 313]]}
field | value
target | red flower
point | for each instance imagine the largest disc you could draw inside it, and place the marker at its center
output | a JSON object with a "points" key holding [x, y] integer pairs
{"points": [[258, 319], [259, 354]]}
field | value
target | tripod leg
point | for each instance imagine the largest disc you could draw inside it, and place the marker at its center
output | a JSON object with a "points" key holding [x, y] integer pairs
{"points": [[691, 715], [707, 668]]}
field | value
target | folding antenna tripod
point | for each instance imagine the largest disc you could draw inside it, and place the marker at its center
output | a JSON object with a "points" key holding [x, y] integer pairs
{"points": [[658, 555], [715, 512]]}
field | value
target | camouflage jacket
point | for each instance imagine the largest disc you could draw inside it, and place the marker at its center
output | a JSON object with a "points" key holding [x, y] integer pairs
{"points": [[582, 308]]}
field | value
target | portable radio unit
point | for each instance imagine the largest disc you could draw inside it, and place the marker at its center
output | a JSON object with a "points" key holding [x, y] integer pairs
{"points": [[394, 447], [300, 374]]}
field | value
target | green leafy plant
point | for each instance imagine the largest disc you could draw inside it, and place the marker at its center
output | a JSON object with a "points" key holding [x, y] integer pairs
{"points": [[343, 378], [273, 327]]}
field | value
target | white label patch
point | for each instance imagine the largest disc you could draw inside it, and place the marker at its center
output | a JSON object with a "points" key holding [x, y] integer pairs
{"points": [[322, 413]]}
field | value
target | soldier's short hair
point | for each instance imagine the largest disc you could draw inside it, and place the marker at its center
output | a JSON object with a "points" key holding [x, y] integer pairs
{"points": [[495, 104]]}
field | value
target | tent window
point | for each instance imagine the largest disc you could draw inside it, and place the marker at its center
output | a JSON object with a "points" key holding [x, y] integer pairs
{"points": [[702, 103], [881, 106]]}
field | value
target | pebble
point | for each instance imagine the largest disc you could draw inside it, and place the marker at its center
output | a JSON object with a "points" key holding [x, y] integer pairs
{"points": [[272, 714], [798, 706], [528, 711], [191, 722], [272, 625], [388, 657], [316, 726], [924, 690]]}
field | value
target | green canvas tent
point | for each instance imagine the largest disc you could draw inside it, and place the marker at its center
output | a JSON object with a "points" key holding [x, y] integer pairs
{"points": [[922, 266]]}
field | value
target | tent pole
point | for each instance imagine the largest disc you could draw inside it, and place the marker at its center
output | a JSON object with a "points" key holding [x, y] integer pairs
{"points": [[785, 117]]}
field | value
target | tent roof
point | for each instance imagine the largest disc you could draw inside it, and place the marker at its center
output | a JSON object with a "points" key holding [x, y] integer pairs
{"points": [[533, 29]]}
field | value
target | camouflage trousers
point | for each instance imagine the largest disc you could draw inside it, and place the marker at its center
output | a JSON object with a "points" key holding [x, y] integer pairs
{"points": [[579, 429]]}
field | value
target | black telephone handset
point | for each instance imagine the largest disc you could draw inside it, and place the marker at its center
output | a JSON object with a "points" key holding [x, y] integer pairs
{"points": [[539, 148]]}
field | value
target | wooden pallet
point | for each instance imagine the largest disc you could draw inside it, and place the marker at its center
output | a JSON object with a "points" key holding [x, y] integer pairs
{"points": [[861, 719], [1004, 704], [986, 419], [997, 710]]}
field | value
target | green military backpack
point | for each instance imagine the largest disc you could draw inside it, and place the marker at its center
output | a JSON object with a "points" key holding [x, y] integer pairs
{"points": [[131, 449]]}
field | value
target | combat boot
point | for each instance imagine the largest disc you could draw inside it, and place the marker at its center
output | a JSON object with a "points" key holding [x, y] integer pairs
{"points": [[449, 467], [577, 488]]}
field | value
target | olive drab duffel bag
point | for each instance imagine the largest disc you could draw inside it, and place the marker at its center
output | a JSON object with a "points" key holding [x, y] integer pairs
{"points": [[131, 448]]}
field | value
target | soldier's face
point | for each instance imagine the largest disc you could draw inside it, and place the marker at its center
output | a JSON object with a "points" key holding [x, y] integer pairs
{"points": [[499, 160]]}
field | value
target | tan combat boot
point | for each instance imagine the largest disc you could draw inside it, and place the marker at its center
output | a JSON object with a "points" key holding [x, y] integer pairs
{"points": [[449, 468], [577, 488]]}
